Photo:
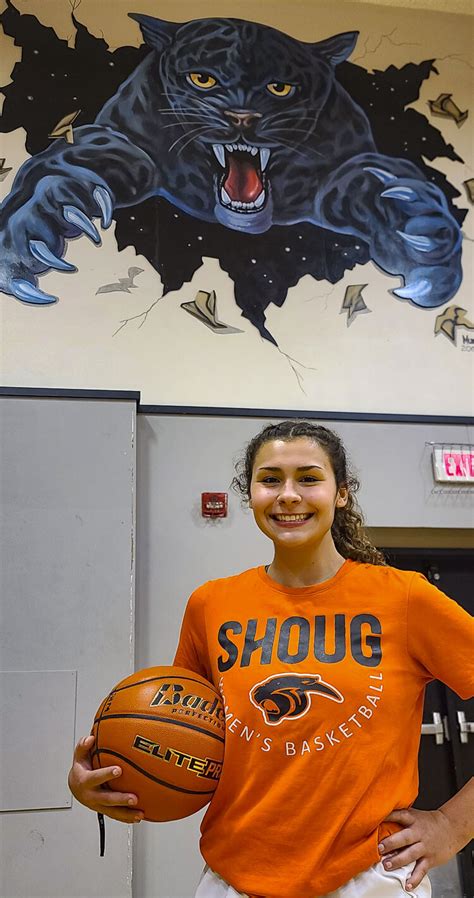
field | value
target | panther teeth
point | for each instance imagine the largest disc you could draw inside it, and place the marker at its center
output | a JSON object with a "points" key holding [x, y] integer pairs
{"points": [[237, 206], [264, 157], [225, 197], [219, 151]]}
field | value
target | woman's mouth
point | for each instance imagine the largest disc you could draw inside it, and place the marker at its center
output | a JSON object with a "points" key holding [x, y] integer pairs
{"points": [[291, 520]]}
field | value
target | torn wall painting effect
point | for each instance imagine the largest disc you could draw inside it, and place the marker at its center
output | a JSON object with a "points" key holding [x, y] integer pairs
{"points": [[229, 140]]}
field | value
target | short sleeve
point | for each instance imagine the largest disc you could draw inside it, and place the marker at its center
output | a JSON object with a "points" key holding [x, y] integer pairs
{"points": [[192, 646], [440, 637]]}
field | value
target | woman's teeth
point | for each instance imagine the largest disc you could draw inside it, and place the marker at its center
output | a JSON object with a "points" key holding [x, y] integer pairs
{"points": [[292, 517]]}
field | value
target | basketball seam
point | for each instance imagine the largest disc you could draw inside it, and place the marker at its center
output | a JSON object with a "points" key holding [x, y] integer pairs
{"points": [[178, 723], [166, 677], [99, 720], [150, 776]]}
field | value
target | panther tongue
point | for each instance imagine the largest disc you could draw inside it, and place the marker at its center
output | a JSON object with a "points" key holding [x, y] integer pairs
{"points": [[243, 182]]}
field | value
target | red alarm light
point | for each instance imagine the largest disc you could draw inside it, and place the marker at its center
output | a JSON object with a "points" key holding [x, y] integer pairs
{"points": [[214, 505]]}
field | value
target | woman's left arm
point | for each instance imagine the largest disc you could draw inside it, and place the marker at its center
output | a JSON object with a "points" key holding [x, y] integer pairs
{"points": [[429, 837]]}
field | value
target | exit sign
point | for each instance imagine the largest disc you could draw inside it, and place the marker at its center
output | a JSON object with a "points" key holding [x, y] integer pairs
{"points": [[453, 464]]}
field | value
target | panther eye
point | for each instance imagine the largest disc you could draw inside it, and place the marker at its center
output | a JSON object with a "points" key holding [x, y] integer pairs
{"points": [[202, 80], [280, 89]]}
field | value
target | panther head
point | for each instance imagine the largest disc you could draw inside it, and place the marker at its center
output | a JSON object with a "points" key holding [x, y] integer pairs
{"points": [[287, 696]]}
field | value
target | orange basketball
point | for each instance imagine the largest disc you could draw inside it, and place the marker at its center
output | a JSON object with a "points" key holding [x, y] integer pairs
{"points": [[164, 726]]}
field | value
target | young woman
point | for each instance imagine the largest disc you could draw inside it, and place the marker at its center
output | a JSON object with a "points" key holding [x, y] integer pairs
{"points": [[322, 658]]}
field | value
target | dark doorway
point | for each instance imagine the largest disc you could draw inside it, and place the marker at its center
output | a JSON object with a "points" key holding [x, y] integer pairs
{"points": [[446, 757]]}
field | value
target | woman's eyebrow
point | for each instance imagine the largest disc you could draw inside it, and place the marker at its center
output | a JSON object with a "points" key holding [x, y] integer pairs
{"points": [[300, 468]]}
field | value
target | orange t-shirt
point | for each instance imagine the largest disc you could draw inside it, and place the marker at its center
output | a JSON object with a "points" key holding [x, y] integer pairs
{"points": [[323, 688]]}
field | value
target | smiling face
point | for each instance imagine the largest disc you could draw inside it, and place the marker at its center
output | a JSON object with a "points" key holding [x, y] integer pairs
{"points": [[294, 495]]}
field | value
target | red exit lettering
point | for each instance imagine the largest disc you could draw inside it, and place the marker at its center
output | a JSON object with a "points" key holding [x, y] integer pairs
{"points": [[459, 464]]}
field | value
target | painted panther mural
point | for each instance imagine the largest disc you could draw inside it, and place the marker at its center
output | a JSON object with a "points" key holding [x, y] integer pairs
{"points": [[246, 130]]}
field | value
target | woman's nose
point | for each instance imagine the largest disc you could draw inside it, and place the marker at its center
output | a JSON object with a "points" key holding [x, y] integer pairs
{"points": [[289, 493]]}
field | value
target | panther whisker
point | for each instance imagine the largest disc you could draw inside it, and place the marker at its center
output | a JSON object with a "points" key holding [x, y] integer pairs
{"points": [[287, 113], [186, 134], [277, 135], [191, 104], [292, 131], [275, 120], [286, 125], [280, 117], [305, 125], [177, 92], [203, 131], [165, 110], [293, 147], [308, 115], [183, 124], [195, 121], [187, 110], [183, 116], [203, 104]]}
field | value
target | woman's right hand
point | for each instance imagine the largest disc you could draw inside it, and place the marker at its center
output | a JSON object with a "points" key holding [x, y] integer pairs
{"points": [[89, 787]]}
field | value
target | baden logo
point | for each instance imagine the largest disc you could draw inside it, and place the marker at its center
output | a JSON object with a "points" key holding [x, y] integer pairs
{"points": [[288, 696], [187, 702]]}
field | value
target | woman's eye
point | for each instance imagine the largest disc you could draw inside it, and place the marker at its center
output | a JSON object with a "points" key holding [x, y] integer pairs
{"points": [[309, 479], [280, 89], [202, 80], [269, 480]]}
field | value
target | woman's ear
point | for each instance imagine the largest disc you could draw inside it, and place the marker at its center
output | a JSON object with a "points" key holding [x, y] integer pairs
{"points": [[342, 497]]}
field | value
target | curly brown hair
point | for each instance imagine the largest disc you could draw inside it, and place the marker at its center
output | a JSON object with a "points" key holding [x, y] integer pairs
{"points": [[347, 530]]}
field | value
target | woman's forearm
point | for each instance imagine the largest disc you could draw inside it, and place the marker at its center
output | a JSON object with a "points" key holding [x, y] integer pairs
{"points": [[460, 812]]}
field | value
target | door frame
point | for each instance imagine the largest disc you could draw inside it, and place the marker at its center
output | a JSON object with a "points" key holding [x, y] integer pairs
{"points": [[465, 857]]}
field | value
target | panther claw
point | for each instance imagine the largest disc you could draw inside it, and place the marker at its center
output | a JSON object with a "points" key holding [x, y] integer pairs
{"points": [[416, 291], [77, 218], [27, 292], [385, 176], [104, 202], [418, 242], [400, 193], [42, 252]]}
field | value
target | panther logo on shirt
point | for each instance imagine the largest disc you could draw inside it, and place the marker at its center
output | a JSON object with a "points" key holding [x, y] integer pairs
{"points": [[288, 696]]}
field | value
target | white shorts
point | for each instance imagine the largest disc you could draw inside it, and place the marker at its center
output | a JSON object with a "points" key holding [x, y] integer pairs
{"points": [[376, 882]]}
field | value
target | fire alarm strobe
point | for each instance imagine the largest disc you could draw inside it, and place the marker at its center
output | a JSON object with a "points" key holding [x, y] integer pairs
{"points": [[214, 505]]}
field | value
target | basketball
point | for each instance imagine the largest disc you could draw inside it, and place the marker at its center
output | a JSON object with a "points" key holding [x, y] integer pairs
{"points": [[165, 727]]}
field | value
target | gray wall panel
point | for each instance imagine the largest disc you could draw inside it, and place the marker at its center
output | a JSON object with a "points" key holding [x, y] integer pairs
{"points": [[67, 593]]}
